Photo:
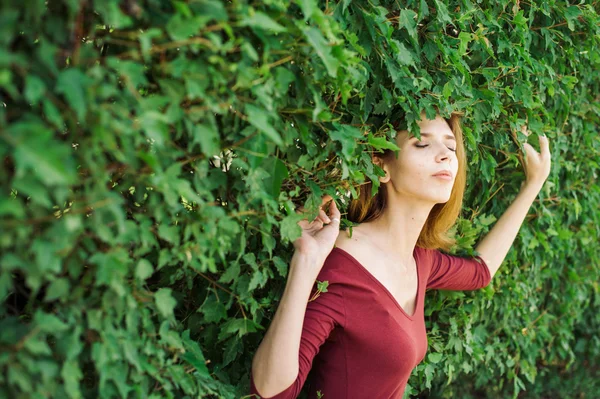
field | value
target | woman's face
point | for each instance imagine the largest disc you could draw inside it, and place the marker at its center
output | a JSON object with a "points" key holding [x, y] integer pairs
{"points": [[412, 174]]}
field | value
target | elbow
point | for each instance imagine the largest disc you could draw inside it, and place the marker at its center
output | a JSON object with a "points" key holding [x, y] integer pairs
{"points": [[487, 273], [486, 281], [268, 387]]}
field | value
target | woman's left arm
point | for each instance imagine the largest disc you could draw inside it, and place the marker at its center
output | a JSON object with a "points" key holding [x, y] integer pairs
{"points": [[495, 245]]}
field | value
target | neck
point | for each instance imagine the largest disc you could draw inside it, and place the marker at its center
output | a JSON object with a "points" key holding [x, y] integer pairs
{"points": [[398, 228]]}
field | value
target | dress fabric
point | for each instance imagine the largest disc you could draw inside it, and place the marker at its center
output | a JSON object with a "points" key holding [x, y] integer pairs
{"points": [[357, 342]]}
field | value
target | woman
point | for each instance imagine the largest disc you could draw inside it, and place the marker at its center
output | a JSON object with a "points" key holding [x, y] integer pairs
{"points": [[363, 336]]}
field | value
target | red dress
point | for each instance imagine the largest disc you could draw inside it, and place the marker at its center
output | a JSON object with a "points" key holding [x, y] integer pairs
{"points": [[357, 341]]}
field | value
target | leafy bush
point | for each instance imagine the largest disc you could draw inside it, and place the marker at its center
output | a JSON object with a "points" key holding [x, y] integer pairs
{"points": [[154, 153]]}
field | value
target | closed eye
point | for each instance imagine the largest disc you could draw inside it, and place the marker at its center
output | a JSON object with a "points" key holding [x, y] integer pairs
{"points": [[426, 145]]}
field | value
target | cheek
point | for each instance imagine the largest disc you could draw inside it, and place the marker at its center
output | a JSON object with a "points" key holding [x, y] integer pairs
{"points": [[413, 169]]}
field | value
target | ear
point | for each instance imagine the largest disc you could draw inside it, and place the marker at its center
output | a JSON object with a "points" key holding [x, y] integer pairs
{"points": [[379, 162]]}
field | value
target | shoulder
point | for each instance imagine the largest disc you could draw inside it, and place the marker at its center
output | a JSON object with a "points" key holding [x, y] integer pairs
{"points": [[346, 250], [354, 243]]}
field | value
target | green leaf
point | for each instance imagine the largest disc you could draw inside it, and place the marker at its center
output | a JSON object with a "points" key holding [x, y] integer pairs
{"points": [[52, 114], [308, 7], [37, 345], [571, 15], [50, 160], [49, 323], [5, 285], [194, 355], [381, 143], [277, 173], [239, 326], [289, 227], [143, 270], [348, 136], [435, 357], [323, 50], [59, 288], [165, 302], [71, 83], [180, 28], [280, 265], [442, 13], [71, 374], [213, 309], [408, 21], [262, 21], [34, 89], [112, 14], [208, 138], [404, 55], [259, 119]]}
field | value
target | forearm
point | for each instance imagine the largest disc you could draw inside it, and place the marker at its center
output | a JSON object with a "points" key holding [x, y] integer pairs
{"points": [[275, 364], [496, 244]]}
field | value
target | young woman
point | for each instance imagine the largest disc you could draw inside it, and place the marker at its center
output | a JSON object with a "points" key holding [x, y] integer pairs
{"points": [[364, 336]]}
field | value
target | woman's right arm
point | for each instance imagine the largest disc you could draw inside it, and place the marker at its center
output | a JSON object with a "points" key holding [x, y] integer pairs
{"points": [[276, 363]]}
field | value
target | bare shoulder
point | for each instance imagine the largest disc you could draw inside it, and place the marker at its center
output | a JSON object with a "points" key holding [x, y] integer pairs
{"points": [[357, 245]]}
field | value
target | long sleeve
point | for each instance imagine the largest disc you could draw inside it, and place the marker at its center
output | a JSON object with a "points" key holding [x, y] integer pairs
{"points": [[322, 315], [449, 272]]}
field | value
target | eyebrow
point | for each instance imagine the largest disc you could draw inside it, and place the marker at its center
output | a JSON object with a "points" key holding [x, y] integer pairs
{"points": [[429, 134]]}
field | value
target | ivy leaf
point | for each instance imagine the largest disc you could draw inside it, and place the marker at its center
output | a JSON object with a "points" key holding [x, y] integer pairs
{"points": [[213, 309], [165, 302], [59, 288], [34, 89], [323, 50], [408, 22], [281, 266], [404, 55], [435, 357], [262, 21], [289, 227], [347, 136], [71, 83], [50, 161], [49, 323], [308, 8], [442, 13], [194, 355], [143, 270], [381, 143], [278, 172], [571, 15], [259, 119], [208, 138], [71, 374], [239, 326]]}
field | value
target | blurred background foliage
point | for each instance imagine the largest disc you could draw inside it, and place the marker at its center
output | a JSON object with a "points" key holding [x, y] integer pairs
{"points": [[154, 153]]}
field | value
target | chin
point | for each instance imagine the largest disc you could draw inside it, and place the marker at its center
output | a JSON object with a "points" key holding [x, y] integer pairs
{"points": [[442, 200]]}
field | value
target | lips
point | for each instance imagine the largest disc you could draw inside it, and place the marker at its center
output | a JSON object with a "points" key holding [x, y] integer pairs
{"points": [[444, 173]]}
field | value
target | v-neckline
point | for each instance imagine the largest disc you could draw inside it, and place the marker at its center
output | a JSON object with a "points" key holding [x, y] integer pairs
{"points": [[368, 273]]}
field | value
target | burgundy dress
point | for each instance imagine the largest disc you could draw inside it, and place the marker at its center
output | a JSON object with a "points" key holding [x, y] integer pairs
{"points": [[357, 341]]}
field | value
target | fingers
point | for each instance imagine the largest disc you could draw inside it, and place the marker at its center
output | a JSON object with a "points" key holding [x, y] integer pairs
{"points": [[332, 215], [326, 198], [323, 217], [544, 146], [334, 212]]}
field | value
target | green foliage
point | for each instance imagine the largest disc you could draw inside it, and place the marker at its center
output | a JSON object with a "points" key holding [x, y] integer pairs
{"points": [[154, 153]]}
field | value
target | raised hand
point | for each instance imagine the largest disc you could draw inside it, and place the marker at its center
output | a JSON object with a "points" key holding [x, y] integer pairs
{"points": [[318, 236], [537, 164]]}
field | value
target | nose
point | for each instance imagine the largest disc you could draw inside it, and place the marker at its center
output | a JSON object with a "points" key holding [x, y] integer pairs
{"points": [[444, 153]]}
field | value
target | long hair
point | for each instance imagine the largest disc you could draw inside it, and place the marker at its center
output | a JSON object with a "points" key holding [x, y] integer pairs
{"points": [[441, 218]]}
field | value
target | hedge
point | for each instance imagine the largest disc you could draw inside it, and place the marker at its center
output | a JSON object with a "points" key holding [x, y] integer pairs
{"points": [[154, 154]]}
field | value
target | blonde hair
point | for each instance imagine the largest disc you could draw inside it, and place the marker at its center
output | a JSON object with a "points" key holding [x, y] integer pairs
{"points": [[441, 218]]}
